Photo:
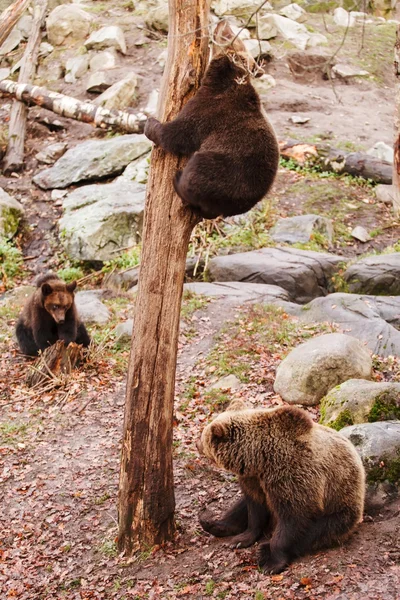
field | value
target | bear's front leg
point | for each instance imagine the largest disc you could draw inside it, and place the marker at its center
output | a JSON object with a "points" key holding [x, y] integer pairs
{"points": [[152, 130], [67, 332]]}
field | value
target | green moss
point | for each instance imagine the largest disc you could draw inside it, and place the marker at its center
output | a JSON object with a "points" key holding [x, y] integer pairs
{"points": [[10, 218], [384, 409], [11, 262], [387, 470], [70, 274], [342, 420]]}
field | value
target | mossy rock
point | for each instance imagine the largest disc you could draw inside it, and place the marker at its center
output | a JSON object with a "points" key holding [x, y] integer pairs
{"points": [[360, 401], [11, 212]]}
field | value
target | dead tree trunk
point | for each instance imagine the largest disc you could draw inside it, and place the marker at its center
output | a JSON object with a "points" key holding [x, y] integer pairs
{"points": [[54, 362], [10, 16], [14, 158], [396, 147], [126, 120], [146, 492]]}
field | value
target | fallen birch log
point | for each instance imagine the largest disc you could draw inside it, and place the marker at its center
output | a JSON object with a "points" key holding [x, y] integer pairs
{"points": [[10, 16], [358, 164], [55, 362], [74, 109], [14, 158]]}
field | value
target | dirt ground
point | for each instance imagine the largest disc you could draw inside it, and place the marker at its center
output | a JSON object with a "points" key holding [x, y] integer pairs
{"points": [[60, 450]]}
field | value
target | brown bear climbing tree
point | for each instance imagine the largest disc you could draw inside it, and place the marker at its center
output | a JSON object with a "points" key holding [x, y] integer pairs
{"points": [[146, 493]]}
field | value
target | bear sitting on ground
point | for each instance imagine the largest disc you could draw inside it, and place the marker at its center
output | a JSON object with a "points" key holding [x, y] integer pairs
{"points": [[232, 146], [301, 481], [50, 315]]}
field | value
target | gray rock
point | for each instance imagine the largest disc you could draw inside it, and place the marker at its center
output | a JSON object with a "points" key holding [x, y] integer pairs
{"points": [[101, 219], [11, 212], [45, 49], [293, 11], [158, 17], [359, 401], [317, 39], [52, 152], [12, 42], [347, 71], [67, 22], [361, 234], [123, 280], [90, 308], [138, 170], [120, 95], [370, 319], [384, 193], [162, 58], [226, 383], [93, 159], [378, 444], [4, 73], [298, 120], [242, 291], [50, 70], [307, 66], [107, 37], [258, 48], [378, 275], [382, 151], [25, 25], [303, 274], [123, 331], [76, 67], [272, 25], [98, 82], [301, 229], [241, 9], [315, 367], [58, 194], [102, 61], [152, 104], [17, 296], [343, 18]]}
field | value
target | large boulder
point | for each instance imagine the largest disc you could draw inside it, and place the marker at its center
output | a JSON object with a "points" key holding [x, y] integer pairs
{"points": [[315, 367], [120, 95], [379, 447], [304, 274], [372, 319], [67, 23], [359, 401], [301, 229], [378, 275], [11, 212], [241, 291], [92, 160], [107, 37], [101, 219], [273, 25], [90, 307], [158, 17], [241, 9]]}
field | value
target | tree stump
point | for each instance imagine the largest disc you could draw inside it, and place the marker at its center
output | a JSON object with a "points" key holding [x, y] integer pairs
{"points": [[57, 360]]}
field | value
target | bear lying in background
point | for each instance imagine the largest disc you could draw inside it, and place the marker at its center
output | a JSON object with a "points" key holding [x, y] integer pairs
{"points": [[300, 480], [232, 146], [50, 315]]}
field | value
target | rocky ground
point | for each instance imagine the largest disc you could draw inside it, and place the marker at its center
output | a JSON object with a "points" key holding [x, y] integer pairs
{"points": [[292, 270]]}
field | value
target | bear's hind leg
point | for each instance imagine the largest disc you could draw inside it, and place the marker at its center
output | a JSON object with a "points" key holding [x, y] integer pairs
{"points": [[25, 339], [234, 521], [259, 518], [276, 554]]}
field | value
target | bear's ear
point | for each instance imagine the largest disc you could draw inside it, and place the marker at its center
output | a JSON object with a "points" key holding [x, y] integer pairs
{"points": [[295, 419], [219, 430], [71, 286], [46, 289]]}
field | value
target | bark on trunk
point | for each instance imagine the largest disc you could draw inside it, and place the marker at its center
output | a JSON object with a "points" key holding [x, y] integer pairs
{"points": [[396, 146], [146, 496], [74, 109], [10, 16], [55, 361], [358, 164], [14, 158]]}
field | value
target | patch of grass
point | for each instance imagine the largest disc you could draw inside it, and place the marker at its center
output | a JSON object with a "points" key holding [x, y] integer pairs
{"points": [[101, 499], [12, 433], [70, 274], [126, 260], [259, 595], [209, 588], [109, 548], [192, 302], [217, 399], [11, 263]]}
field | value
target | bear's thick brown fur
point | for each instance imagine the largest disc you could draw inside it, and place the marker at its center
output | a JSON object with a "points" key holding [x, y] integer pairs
{"points": [[232, 146], [50, 315], [302, 481]]}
